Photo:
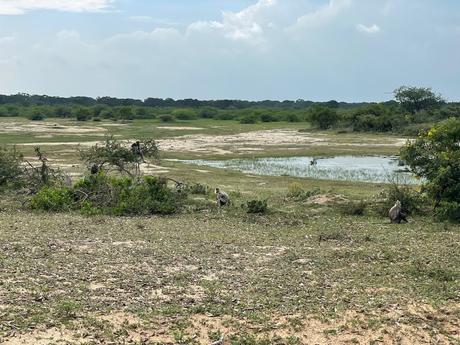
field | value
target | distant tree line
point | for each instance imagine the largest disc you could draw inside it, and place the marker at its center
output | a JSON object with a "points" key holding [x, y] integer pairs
{"points": [[412, 110], [30, 100]]}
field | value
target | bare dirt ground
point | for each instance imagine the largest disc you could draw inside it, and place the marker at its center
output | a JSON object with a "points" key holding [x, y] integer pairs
{"points": [[255, 141], [47, 127], [350, 328], [298, 279]]}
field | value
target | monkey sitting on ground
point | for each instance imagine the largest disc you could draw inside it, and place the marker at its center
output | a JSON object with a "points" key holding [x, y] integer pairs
{"points": [[222, 198], [94, 169], [396, 216]]}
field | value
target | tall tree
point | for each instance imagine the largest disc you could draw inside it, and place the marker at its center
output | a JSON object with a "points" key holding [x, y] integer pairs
{"points": [[414, 99]]}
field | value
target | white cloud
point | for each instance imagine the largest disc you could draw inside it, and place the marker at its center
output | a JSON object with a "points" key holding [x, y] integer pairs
{"points": [[149, 19], [322, 15], [68, 34], [373, 29], [158, 34], [141, 19], [6, 39], [246, 25], [16, 7]]}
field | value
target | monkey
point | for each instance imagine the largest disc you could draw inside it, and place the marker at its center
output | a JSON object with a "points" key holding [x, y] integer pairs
{"points": [[136, 149], [222, 198], [396, 216], [94, 169]]}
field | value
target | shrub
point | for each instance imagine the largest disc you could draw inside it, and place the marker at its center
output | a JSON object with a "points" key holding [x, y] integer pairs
{"points": [[411, 200], [42, 175], [247, 120], [227, 115], [324, 118], [435, 156], [353, 208], [257, 206], [449, 211], [268, 118], [292, 118], [208, 113], [126, 113], [184, 114], [150, 196], [102, 194], [198, 188], [83, 114], [10, 166], [295, 191], [53, 199], [117, 155], [125, 196], [166, 118], [37, 117]]}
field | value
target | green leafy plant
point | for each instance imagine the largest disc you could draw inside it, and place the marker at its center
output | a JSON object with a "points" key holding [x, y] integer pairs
{"points": [[257, 206]]}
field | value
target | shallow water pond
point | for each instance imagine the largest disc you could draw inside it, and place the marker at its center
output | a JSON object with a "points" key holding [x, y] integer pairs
{"points": [[348, 168]]}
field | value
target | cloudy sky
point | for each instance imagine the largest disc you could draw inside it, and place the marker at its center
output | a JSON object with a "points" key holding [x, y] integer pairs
{"points": [[350, 50]]}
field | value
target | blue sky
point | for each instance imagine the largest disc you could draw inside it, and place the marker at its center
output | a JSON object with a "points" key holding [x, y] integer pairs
{"points": [[350, 50]]}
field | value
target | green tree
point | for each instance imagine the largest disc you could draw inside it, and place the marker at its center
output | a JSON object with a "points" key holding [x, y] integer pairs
{"points": [[323, 117], [83, 114], [414, 99], [435, 156]]}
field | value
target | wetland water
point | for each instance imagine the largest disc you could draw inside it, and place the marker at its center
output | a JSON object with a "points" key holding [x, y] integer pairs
{"points": [[348, 168]]}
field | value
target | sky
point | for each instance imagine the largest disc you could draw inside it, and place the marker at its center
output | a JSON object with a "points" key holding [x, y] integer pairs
{"points": [[347, 50]]}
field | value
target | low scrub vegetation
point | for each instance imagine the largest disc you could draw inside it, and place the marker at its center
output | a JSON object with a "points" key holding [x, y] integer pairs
{"points": [[102, 194], [257, 206], [296, 192]]}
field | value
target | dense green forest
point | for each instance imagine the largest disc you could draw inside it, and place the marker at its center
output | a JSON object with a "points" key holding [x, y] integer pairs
{"points": [[413, 109]]}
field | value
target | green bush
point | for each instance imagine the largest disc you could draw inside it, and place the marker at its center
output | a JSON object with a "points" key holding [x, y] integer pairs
{"points": [[102, 194], [10, 166], [198, 188], [166, 118], [257, 206], [125, 196], [296, 192], [412, 202], [37, 117], [292, 118], [184, 114], [83, 114], [227, 115], [323, 117], [449, 211], [268, 118], [151, 196], [53, 199], [435, 156], [208, 113], [248, 120]]}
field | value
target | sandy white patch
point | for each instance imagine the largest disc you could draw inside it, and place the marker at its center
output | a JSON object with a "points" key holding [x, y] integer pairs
{"points": [[47, 127], [172, 128], [256, 140]]}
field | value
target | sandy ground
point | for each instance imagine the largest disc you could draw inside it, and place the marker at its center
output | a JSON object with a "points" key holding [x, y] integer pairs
{"points": [[350, 328], [250, 142], [49, 128], [255, 141]]}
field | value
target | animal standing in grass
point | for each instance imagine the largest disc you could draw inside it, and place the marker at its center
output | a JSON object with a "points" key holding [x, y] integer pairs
{"points": [[396, 216], [222, 198]]}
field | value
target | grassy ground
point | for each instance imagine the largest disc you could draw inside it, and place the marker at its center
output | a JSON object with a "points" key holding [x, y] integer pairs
{"points": [[302, 274]]}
